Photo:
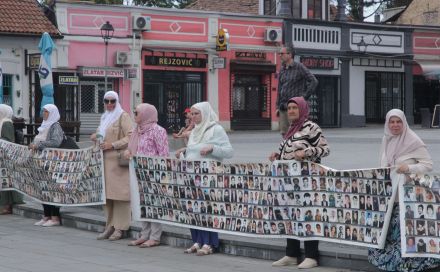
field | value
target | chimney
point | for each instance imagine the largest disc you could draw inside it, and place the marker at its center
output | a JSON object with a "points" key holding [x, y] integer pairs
{"points": [[377, 18], [285, 8], [340, 14]]}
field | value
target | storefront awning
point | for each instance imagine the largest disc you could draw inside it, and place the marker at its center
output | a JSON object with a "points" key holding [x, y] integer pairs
{"points": [[252, 66], [430, 68]]}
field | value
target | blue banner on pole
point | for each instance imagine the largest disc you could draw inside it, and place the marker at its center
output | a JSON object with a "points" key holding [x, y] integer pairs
{"points": [[46, 46]]}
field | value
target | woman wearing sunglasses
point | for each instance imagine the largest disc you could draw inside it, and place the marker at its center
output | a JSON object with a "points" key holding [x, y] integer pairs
{"points": [[112, 135]]}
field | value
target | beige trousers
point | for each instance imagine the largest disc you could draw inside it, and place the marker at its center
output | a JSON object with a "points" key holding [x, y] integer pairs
{"points": [[151, 231], [118, 214]]}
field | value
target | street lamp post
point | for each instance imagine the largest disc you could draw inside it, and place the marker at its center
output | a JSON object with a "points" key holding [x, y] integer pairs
{"points": [[107, 31]]}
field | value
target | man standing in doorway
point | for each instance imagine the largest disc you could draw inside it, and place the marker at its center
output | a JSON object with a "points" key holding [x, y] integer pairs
{"points": [[294, 80]]}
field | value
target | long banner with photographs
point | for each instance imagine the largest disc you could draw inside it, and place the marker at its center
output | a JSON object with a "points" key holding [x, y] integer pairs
{"points": [[283, 199], [419, 197], [61, 177]]}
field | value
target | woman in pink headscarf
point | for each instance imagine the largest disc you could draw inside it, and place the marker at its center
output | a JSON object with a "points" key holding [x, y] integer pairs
{"points": [[148, 139], [303, 141]]}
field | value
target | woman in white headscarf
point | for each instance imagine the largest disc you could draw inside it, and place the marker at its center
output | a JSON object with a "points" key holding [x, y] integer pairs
{"points": [[8, 198], [112, 136], [208, 140], [404, 151], [50, 134]]}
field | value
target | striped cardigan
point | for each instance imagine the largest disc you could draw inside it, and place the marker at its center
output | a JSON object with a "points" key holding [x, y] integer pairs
{"points": [[310, 139]]}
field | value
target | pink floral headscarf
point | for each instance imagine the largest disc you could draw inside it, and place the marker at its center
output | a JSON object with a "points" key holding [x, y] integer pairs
{"points": [[148, 116]]}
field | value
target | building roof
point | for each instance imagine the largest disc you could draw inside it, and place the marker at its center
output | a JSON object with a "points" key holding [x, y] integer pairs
{"points": [[24, 17], [234, 6]]}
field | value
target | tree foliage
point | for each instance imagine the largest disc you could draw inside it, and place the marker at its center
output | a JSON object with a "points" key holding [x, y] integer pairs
{"points": [[163, 3], [356, 9]]}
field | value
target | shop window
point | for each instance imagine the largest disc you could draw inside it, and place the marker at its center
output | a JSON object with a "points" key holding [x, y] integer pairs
{"points": [[314, 9], [7, 89]]}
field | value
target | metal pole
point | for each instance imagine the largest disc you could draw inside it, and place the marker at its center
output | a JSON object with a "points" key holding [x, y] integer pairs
{"points": [[105, 70]]}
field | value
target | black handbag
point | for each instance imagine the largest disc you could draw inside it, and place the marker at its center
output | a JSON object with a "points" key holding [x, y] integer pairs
{"points": [[68, 143]]}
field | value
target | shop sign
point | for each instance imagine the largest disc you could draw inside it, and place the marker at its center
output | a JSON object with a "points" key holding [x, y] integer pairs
{"points": [[218, 63], [34, 61], [100, 72], [222, 40], [175, 61], [251, 55], [130, 73], [318, 63], [68, 80]]}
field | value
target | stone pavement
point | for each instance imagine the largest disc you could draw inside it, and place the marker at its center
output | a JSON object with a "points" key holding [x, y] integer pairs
{"points": [[350, 148], [27, 248]]}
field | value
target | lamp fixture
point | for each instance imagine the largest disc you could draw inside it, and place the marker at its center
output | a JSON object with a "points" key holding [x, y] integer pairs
{"points": [[107, 31], [362, 45]]}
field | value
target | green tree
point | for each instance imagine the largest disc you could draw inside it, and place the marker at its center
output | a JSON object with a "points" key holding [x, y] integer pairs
{"points": [[357, 8], [110, 2], [163, 3]]}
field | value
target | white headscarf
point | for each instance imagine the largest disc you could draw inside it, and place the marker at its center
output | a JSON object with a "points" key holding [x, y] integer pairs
{"points": [[6, 113], [397, 146], [204, 129], [54, 116], [109, 117]]}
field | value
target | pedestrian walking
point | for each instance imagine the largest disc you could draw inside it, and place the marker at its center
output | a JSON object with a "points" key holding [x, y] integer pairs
{"points": [[294, 80]]}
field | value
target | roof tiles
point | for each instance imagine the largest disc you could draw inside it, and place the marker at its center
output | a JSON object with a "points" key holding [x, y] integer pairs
{"points": [[233, 6], [24, 17]]}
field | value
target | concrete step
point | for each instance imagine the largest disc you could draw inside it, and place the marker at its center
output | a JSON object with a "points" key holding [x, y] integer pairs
{"points": [[92, 219]]}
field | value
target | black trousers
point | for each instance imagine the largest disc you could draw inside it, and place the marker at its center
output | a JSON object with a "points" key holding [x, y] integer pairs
{"points": [[50, 210], [293, 249]]}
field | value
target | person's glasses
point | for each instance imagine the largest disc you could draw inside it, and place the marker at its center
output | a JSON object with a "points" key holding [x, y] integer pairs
{"points": [[283, 53], [135, 113], [109, 101]]}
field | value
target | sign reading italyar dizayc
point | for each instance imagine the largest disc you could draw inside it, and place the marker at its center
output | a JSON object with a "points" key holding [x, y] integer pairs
{"points": [[61, 177], [285, 199]]}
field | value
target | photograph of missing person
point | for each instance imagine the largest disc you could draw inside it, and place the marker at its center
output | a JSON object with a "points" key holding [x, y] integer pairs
{"points": [[264, 199], [64, 177]]}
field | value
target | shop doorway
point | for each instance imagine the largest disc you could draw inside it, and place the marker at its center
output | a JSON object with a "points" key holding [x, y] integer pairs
{"points": [[325, 104], [250, 103], [383, 92], [426, 95], [171, 92], [92, 106]]}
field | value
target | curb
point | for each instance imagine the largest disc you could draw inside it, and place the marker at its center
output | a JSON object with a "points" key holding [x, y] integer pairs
{"points": [[330, 256]]}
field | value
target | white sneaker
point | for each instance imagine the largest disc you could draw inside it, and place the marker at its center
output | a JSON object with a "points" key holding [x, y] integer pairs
{"points": [[286, 260], [308, 263], [40, 223], [51, 223]]}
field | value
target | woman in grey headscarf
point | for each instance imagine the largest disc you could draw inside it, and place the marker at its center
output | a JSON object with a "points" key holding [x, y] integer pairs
{"points": [[50, 134]]}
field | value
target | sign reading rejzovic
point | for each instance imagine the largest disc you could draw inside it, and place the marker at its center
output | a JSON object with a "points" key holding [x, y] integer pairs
{"points": [[175, 61]]}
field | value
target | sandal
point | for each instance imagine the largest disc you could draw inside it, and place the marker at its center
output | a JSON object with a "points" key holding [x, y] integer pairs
{"points": [[192, 249], [149, 243], [137, 242], [205, 250], [106, 234], [116, 235]]}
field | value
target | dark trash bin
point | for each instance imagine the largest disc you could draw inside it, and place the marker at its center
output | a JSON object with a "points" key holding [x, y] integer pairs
{"points": [[425, 114]]}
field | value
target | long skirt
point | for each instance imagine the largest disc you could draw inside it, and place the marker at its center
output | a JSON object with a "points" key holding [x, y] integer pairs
{"points": [[390, 258]]}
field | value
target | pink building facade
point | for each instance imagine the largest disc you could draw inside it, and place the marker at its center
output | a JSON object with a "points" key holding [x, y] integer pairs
{"points": [[171, 62]]}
